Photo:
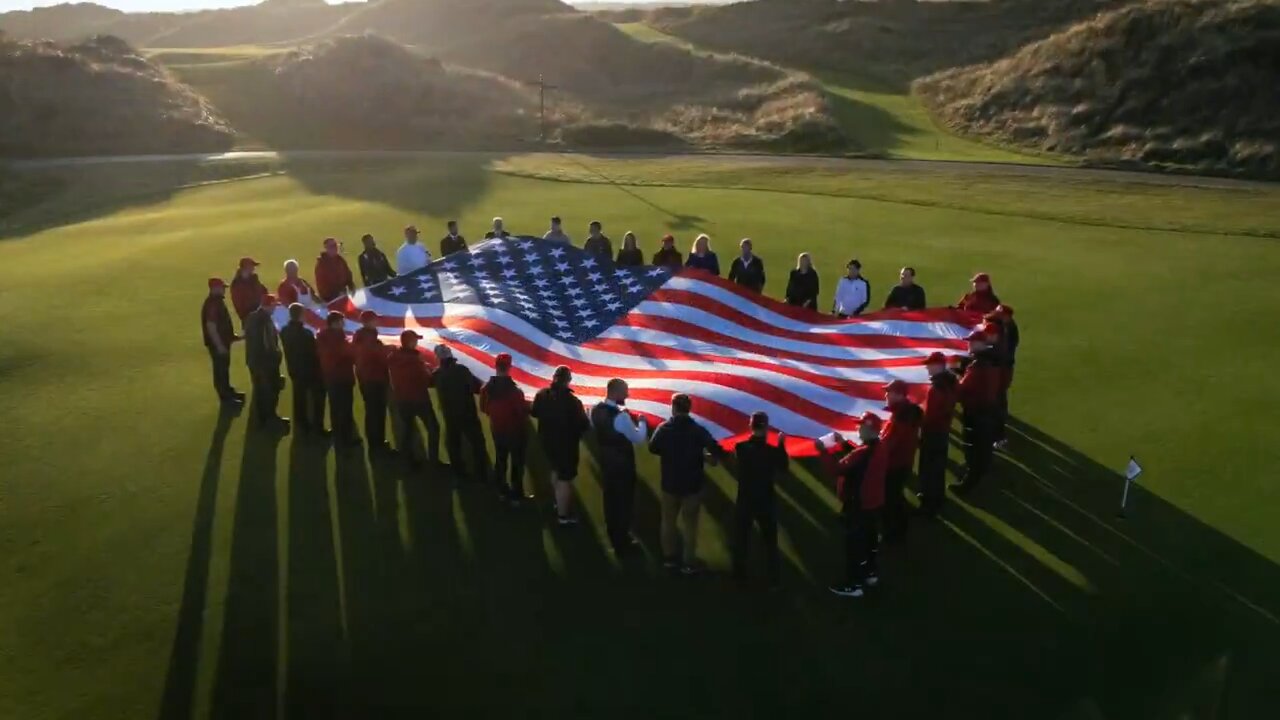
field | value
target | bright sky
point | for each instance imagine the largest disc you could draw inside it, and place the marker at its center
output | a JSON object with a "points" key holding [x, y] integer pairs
{"points": [[167, 5]]}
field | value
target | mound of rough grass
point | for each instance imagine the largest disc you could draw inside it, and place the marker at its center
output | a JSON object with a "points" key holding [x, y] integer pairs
{"points": [[1184, 83], [98, 97]]}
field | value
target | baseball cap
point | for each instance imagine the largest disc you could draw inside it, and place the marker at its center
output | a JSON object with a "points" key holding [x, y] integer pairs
{"points": [[217, 283], [407, 334], [982, 277], [502, 361], [247, 262], [936, 358], [871, 419], [268, 299], [334, 315], [368, 315], [759, 420], [896, 386]]}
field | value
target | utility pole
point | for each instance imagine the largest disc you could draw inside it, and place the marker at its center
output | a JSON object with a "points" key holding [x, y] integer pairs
{"points": [[543, 87]]}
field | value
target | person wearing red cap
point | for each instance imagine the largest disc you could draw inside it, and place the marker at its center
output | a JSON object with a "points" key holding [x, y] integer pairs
{"points": [[262, 355], [333, 275], [902, 436], [337, 367], [303, 364], [935, 433], [411, 390], [860, 487], [979, 398], [374, 380], [246, 289], [1007, 349], [668, 256], [456, 389], [503, 401], [293, 288], [215, 326], [981, 298]]}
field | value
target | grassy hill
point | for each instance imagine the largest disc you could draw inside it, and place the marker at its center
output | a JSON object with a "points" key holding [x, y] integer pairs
{"points": [[1182, 83], [98, 96]]}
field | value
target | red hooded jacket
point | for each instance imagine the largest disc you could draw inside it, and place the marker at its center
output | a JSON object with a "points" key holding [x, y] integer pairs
{"points": [[290, 290], [333, 276], [902, 434], [410, 376], [940, 402], [503, 401], [246, 294], [371, 356], [337, 360], [980, 386], [860, 475], [979, 302]]}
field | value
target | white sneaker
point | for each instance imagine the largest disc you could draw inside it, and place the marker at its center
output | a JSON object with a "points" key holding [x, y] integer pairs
{"points": [[873, 580], [846, 590]]}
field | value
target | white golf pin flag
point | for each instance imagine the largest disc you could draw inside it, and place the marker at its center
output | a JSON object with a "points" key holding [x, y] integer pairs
{"points": [[1133, 470]]}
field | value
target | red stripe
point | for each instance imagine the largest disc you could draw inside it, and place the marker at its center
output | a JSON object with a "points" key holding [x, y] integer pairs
{"points": [[665, 352]]}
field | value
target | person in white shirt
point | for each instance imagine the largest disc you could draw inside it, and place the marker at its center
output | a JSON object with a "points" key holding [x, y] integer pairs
{"points": [[412, 255], [617, 434], [853, 293], [557, 234]]}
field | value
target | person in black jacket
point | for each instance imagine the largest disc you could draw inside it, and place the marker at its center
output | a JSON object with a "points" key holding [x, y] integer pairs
{"points": [[629, 255], [498, 232], [562, 422], [303, 364], [747, 269], [262, 354], [906, 295], [802, 286], [453, 242], [219, 334], [758, 463], [1007, 351], [374, 265], [617, 433], [597, 243], [684, 447], [457, 388]]}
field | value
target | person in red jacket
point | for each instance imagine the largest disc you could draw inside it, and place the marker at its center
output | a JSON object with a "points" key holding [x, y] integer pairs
{"points": [[902, 436], [246, 289], [337, 368], [979, 398], [333, 275], [411, 391], [504, 402], [981, 298], [935, 433], [374, 379], [293, 288], [860, 487]]}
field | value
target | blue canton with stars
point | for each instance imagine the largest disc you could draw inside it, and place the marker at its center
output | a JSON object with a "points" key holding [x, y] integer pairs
{"points": [[561, 290]]}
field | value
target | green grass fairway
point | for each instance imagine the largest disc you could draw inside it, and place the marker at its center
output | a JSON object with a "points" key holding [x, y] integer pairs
{"points": [[161, 560], [881, 119]]}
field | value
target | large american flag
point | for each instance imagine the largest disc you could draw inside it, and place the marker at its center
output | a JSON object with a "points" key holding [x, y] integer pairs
{"points": [[733, 351]]}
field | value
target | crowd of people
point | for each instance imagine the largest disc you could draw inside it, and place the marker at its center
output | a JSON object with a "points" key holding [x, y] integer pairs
{"points": [[871, 474]]}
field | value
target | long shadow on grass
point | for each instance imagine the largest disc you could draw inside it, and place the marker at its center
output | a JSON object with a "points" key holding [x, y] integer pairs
{"points": [[184, 656], [408, 597]]}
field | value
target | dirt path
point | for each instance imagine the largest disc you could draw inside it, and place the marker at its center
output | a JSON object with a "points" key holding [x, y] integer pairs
{"points": [[835, 163]]}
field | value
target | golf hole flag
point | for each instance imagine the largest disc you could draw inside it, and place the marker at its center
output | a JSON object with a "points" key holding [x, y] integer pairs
{"points": [[663, 331]]}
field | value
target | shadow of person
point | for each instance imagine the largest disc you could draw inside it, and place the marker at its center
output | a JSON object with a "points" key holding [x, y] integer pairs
{"points": [[184, 654], [317, 655], [245, 682]]}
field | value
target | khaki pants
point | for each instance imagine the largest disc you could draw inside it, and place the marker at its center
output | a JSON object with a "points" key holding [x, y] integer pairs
{"points": [[686, 508]]}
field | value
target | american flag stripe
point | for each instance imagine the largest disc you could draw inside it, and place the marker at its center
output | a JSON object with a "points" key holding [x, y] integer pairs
{"points": [[734, 352]]}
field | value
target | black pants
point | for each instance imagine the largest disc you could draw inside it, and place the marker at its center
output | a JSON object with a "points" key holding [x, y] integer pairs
{"points": [[978, 425], [933, 470], [895, 504], [618, 482], [509, 451], [308, 403], [861, 545], [222, 374], [1002, 407], [466, 427], [745, 514], [266, 394], [410, 414], [341, 414], [375, 413]]}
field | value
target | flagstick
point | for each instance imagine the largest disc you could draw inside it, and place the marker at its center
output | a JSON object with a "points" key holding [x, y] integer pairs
{"points": [[1124, 498]]}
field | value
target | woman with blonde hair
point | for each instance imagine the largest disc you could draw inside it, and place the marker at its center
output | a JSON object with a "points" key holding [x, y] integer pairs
{"points": [[701, 257], [629, 255], [802, 286]]}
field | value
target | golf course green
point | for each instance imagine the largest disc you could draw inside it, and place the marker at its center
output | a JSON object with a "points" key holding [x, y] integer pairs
{"points": [[164, 560]]}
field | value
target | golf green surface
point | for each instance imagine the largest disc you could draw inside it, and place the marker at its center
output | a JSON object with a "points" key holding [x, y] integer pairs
{"points": [[164, 560]]}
